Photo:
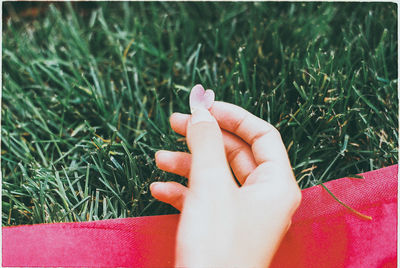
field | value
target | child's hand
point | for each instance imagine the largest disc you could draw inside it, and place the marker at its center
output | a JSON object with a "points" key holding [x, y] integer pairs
{"points": [[222, 224]]}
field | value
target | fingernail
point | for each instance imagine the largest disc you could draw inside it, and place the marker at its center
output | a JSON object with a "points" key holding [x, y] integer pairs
{"points": [[155, 185], [176, 114], [201, 115], [161, 155]]}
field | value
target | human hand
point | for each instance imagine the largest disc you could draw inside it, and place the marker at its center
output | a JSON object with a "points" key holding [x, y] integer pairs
{"points": [[223, 224]]}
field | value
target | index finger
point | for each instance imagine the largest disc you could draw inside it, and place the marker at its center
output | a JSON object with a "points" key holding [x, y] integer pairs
{"points": [[264, 139]]}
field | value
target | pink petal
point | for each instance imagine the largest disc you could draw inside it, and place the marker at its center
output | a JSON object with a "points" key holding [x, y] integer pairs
{"points": [[200, 98]]}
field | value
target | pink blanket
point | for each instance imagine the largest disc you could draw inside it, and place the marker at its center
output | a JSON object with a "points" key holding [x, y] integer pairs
{"points": [[323, 233]]}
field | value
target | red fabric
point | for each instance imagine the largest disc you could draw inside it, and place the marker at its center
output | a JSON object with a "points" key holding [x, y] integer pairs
{"points": [[323, 233]]}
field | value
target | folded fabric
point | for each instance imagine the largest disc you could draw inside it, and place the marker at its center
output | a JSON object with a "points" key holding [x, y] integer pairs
{"points": [[324, 233]]}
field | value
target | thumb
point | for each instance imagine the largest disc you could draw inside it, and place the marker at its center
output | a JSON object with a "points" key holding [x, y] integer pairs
{"points": [[209, 163]]}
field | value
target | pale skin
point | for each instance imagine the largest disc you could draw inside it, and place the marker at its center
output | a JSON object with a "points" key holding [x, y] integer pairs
{"points": [[223, 224]]}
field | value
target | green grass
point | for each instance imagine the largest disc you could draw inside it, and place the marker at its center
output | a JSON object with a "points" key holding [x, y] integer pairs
{"points": [[87, 95]]}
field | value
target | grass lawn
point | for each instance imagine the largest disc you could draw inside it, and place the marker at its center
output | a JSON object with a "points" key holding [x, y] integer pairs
{"points": [[87, 92]]}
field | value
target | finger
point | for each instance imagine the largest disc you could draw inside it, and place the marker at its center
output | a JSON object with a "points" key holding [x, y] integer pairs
{"points": [[170, 192], [178, 122], [209, 163], [238, 152], [272, 172], [245, 125], [264, 139], [239, 155], [174, 162]]}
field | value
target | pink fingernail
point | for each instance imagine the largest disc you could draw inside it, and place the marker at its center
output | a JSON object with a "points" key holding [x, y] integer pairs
{"points": [[160, 154], [200, 98], [156, 186]]}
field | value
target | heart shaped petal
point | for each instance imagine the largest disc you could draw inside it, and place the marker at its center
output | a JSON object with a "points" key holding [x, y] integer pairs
{"points": [[200, 98]]}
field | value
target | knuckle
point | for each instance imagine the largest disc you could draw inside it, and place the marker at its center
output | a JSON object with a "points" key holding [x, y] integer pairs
{"points": [[275, 132], [297, 196], [291, 193], [269, 132]]}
